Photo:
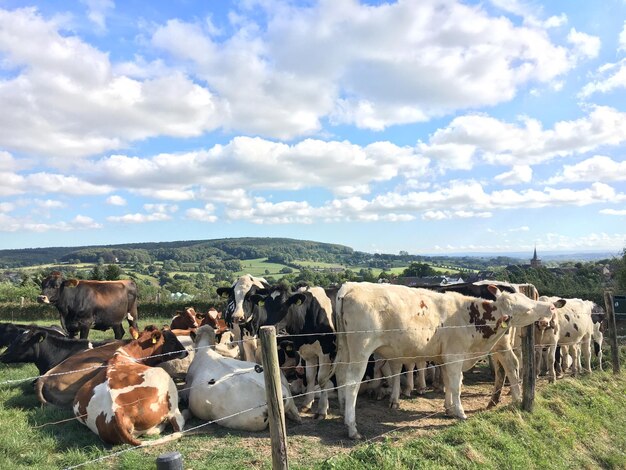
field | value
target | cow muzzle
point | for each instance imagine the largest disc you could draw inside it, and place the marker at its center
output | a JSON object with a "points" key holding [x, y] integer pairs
{"points": [[43, 299]]}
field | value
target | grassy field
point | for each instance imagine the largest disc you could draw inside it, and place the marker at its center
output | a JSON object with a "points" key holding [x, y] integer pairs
{"points": [[259, 266], [577, 423]]}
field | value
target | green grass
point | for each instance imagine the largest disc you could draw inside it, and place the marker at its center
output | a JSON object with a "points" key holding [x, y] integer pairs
{"points": [[258, 266], [575, 424]]}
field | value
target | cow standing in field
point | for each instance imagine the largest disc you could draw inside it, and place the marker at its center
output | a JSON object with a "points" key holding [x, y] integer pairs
{"points": [[307, 315], [91, 304], [398, 322], [238, 313]]}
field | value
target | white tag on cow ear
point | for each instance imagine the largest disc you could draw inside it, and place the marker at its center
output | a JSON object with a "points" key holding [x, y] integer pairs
{"points": [[154, 341], [298, 302], [261, 303], [504, 325]]}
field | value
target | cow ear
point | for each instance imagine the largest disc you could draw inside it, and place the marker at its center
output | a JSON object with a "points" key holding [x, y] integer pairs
{"points": [[224, 291], [156, 336], [200, 316], [560, 303], [493, 290], [213, 314], [257, 299], [296, 299], [39, 336], [71, 283]]}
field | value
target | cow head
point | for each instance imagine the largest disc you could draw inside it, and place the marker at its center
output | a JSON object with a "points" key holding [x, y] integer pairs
{"points": [[239, 308], [154, 346], [24, 348], [50, 288], [522, 310]]}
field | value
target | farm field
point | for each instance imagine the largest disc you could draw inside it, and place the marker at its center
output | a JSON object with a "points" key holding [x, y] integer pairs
{"points": [[258, 266], [572, 413]]}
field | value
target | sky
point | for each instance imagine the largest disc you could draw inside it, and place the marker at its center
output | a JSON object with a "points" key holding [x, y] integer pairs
{"points": [[428, 126]]}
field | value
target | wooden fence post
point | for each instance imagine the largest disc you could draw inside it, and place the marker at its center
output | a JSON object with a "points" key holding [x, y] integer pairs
{"points": [[274, 393], [610, 316], [528, 364]]}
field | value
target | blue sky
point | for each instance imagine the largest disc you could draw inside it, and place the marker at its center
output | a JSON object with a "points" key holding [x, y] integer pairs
{"points": [[431, 126]]}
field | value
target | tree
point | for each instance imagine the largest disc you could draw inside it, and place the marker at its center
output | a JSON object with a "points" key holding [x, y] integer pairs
{"points": [[112, 272], [419, 270], [96, 273]]}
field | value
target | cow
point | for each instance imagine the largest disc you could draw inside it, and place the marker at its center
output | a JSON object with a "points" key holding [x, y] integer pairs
{"points": [[129, 398], [238, 314], [398, 322], [220, 387], [598, 317], [43, 349], [10, 331], [184, 320], [307, 315], [91, 304], [576, 333], [60, 384], [504, 357]]}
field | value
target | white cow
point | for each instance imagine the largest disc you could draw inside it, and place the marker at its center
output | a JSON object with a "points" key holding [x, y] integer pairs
{"points": [[576, 332], [220, 387], [399, 322]]}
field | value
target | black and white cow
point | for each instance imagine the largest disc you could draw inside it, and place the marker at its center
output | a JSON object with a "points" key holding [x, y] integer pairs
{"points": [[238, 313], [306, 316], [10, 331]]}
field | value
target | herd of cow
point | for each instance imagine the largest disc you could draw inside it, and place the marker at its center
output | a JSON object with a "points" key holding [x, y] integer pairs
{"points": [[350, 339]]}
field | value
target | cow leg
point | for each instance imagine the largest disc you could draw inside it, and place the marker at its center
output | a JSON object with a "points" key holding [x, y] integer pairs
{"points": [[454, 372], [575, 350], [437, 379], [511, 367], [311, 374], [586, 354], [84, 332], [118, 331], [550, 363], [421, 377], [498, 381], [323, 371], [447, 401], [598, 349], [353, 376], [410, 379], [396, 369]]}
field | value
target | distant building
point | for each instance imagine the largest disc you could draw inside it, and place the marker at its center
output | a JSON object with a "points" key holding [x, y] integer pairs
{"points": [[535, 262]]}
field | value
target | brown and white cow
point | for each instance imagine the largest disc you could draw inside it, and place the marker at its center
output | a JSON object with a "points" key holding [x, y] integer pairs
{"points": [[184, 320], [398, 322], [129, 398]]}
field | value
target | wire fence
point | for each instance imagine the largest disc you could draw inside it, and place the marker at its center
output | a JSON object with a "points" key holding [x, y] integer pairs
{"points": [[413, 358]]}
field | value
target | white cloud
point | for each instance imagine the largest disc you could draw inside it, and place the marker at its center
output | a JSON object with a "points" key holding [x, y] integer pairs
{"points": [[65, 93], [98, 11], [21, 224], [518, 174], [610, 77], [357, 63], [618, 212], [49, 204], [43, 183], [596, 168], [255, 163], [586, 46], [165, 208], [470, 137], [138, 218], [206, 214], [458, 200], [116, 200], [622, 39], [7, 207]]}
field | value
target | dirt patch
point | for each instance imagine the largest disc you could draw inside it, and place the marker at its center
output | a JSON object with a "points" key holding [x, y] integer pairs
{"points": [[316, 440]]}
